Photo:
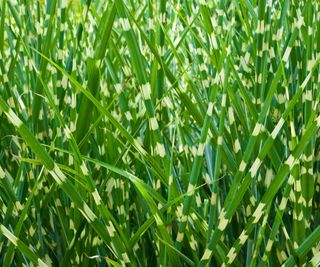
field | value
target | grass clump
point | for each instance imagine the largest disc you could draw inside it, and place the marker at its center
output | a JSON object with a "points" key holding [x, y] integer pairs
{"points": [[159, 133]]}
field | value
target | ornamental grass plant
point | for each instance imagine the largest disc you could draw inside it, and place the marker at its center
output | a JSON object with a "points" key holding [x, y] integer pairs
{"points": [[160, 133]]}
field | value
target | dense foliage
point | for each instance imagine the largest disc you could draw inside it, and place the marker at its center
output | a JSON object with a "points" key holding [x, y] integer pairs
{"points": [[159, 133]]}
